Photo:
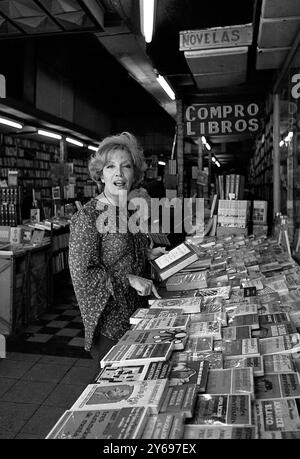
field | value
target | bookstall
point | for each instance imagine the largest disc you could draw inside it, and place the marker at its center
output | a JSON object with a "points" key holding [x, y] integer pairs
{"points": [[216, 357]]}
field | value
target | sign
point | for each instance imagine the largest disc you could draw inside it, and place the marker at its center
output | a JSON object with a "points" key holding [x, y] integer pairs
{"points": [[221, 119], [217, 37]]}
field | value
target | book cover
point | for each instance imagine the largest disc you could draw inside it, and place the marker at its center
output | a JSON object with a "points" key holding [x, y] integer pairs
{"points": [[100, 424], [270, 330], [163, 426], [128, 354], [210, 317], [186, 281], [211, 305], [222, 409], [277, 385], [164, 323], [146, 313], [235, 333], [231, 381], [186, 305], [248, 347], [251, 320], [176, 336], [205, 329], [199, 344], [214, 359], [180, 399], [279, 363], [122, 395], [148, 370], [222, 292], [191, 373], [277, 415], [256, 363], [284, 344], [216, 432], [275, 318], [170, 263]]}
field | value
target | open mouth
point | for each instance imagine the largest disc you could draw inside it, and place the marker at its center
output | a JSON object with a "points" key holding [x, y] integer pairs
{"points": [[120, 183]]}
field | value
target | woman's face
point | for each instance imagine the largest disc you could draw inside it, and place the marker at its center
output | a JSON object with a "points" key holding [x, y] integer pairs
{"points": [[117, 174]]}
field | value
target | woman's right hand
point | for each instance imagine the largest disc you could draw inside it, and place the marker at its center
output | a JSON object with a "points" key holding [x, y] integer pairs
{"points": [[144, 287]]}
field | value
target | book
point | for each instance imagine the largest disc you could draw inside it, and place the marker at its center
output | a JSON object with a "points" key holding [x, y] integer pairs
{"points": [[199, 344], [180, 399], [248, 347], [145, 371], [163, 323], [186, 281], [170, 263], [190, 372], [219, 409], [284, 344], [163, 426], [275, 318], [256, 363], [123, 395], [205, 329], [222, 292], [211, 305], [128, 354], [234, 333], [277, 385], [269, 330], [214, 359], [279, 363], [100, 424], [251, 320], [146, 313], [231, 381], [277, 415], [210, 317], [216, 432], [186, 305], [176, 336]]}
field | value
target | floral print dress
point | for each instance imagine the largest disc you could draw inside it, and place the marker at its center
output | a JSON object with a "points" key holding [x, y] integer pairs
{"points": [[99, 263]]}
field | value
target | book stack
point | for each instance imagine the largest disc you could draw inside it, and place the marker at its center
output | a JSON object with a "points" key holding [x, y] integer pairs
{"points": [[232, 214]]}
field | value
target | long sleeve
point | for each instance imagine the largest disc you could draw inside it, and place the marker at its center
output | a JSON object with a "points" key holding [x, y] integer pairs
{"points": [[92, 283]]}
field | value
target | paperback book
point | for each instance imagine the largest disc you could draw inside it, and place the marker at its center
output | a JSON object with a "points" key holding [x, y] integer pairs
{"points": [[145, 313], [221, 292], [146, 371], [234, 410], [186, 281], [279, 363], [247, 319], [205, 329], [285, 344], [256, 363], [176, 259], [123, 395], [277, 385], [270, 330], [191, 373], [164, 323], [100, 424], [163, 426], [180, 399], [231, 381], [199, 344], [128, 354], [248, 347], [281, 415], [176, 336], [210, 317], [218, 432], [234, 333], [186, 305], [214, 359]]}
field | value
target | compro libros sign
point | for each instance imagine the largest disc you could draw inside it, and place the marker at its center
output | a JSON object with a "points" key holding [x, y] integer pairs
{"points": [[221, 119]]}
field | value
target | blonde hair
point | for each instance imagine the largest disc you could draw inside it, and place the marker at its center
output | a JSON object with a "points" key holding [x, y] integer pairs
{"points": [[126, 142]]}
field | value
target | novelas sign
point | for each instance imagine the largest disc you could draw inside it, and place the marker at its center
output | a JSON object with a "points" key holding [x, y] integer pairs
{"points": [[220, 119]]}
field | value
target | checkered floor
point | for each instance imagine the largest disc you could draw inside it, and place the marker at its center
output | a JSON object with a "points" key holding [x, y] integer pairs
{"points": [[58, 332]]}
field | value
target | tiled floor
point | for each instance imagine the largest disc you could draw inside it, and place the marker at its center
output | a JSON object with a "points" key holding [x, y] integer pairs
{"points": [[45, 370]]}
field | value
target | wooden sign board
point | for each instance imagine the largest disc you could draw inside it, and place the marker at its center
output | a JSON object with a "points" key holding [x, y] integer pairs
{"points": [[217, 37]]}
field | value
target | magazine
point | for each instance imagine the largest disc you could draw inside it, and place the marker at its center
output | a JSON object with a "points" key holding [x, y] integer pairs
{"points": [[218, 432], [231, 381], [186, 305], [284, 344], [256, 363], [277, 415], [277, 385], [129, 354]]}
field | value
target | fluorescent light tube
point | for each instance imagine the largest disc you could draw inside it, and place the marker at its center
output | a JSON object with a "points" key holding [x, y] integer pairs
{"points": [[49, 134], [281, 143], [90, 147], [208, 146], [147, 8], [213, 159], [11, 123], [161, 163], [74, 142], [166, 87]]}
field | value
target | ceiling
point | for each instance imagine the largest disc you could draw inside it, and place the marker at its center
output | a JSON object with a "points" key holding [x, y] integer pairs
{"points": [[197, 75]]}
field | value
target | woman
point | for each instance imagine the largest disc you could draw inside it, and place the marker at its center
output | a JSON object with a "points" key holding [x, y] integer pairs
{"points": [[108, 265]]}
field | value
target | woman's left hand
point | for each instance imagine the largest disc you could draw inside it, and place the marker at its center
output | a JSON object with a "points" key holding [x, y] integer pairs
{"points": [[156, 252]]}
